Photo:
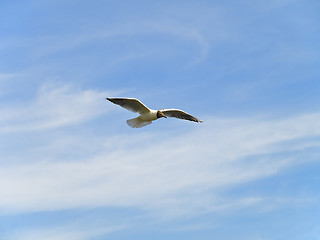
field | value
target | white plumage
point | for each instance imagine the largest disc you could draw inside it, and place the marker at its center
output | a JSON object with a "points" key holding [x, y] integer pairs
{"points": [[148, 115]]}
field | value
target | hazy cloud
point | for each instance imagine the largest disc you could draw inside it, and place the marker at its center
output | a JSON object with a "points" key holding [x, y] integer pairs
{"points": [[178, 173], [54, 106]]}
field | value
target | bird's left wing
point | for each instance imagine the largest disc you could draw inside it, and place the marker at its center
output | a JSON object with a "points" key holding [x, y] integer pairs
{"points": [[131, 104], [179, 114]]}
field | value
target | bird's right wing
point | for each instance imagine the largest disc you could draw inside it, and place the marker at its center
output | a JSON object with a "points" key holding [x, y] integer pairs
{"points": [[131, 104], [179, 114]]}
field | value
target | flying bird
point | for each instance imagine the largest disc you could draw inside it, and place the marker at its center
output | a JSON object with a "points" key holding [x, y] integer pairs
{"points": [[148, 115]]}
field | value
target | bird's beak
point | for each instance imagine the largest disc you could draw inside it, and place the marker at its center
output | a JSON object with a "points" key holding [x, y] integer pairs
{"points": [[164, 116]]}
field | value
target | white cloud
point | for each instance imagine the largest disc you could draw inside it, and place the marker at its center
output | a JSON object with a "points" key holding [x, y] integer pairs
{"points": [[54, 106], [172, 175]]}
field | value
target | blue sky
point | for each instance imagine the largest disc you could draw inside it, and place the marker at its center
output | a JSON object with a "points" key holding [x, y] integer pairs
{"points": [[71, 169]]}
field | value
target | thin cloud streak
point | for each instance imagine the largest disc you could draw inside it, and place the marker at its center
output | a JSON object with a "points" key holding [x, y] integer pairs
{"points": [[64, 233]]}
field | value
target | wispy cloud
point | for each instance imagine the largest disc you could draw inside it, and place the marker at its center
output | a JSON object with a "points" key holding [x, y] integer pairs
{"points": [[54, 106], [179, 174], [7, 76], [63, 233], [5, 80]]}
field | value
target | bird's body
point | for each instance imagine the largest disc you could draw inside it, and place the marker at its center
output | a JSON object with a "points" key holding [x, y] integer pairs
{"points": [[148, 115]]}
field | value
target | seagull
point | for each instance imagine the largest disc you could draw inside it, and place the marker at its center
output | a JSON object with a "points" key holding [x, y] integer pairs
{"points": [[148, 115]]}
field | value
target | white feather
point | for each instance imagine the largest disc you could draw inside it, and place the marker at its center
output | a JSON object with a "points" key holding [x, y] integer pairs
{"points": [[137, 122]]}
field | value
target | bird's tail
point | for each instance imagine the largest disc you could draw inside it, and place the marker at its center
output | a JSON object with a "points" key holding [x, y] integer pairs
{"points": [[137, 122]]}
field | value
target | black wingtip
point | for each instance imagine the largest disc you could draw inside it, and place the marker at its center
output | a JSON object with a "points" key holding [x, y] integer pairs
{"points": [[197, 120]]}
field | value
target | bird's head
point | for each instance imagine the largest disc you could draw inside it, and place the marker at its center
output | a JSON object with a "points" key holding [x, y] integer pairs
{"points": [[161, 114]]}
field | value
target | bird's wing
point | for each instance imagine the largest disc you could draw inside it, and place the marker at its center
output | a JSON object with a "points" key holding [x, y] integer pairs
{"points": [[131, 104], [179, 114]]}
